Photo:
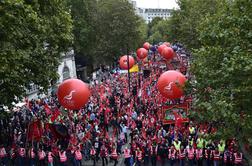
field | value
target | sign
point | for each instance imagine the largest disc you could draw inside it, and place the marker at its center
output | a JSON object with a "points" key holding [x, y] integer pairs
{"points": [[170, 111]]}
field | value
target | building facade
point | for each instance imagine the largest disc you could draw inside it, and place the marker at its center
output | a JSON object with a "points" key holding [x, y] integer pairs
{"points": [[66, 70], [148, 14]]}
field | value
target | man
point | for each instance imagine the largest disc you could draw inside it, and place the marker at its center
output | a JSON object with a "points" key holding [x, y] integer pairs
{"points": [[3, 155], [177, 144], [200, 143], [227, 157], [216, 156], [139, 156], [237, 158], [208, 156], [21, 153], [221, 148], [192, 130], [63, 158], [125, 131], [114, 156], [41, 156], [78, 156], [190, 153], [199, 156], [127, 156], [104, 155], [93, 155], [153, 153], [181, 156], [172, 155]]}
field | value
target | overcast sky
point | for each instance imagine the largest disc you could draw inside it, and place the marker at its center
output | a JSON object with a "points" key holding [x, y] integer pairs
{"points": [[169, 4]]}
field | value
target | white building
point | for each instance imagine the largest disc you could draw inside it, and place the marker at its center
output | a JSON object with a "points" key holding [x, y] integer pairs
{"points": [[66, 70], [148, 14]]}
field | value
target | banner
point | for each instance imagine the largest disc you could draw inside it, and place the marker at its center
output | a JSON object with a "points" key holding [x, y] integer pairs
{"points": [[35, 131], [134, 69]]}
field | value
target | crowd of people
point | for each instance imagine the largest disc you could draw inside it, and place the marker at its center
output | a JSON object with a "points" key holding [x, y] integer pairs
{"points": [[116, 125]]}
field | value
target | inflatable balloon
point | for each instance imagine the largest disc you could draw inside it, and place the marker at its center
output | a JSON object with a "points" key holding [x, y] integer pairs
{"points": [[73, 94], [170, 84], [167, 53], [146, 45], [124, 64], [160, 48], [167, 44], [142, 53]]}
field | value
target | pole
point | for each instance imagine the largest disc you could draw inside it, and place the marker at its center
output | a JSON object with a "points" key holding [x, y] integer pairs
{"points": [[128, 72]]}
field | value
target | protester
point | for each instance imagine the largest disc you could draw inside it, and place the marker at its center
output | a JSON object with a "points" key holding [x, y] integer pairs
{"points": [[125, 126]]}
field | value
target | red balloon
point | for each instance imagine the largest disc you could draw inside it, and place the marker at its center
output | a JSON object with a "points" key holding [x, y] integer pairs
{"points": [[142, 53], [167, 44], [170, 84], [160, 48], [124, 64], [73, 94], [167, 53], [146, 45]]}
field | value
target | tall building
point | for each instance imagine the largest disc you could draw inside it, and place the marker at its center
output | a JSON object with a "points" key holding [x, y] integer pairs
{"points": [[148, 14], [66, 70]]}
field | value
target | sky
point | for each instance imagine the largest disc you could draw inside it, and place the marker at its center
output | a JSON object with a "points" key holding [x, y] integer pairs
{"points": [[168, 4]]}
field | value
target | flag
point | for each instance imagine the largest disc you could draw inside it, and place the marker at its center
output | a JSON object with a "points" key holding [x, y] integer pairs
{"points": [[47, 110], [35, 130], [134, 69], [55, 115]]}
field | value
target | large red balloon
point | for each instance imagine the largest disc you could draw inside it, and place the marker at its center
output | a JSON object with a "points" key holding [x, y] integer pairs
{"points": [[142, 53], [73, 94], [167, 53], [161, 47], [146, 45], [170, 84], [124, 64], [167, 44]]}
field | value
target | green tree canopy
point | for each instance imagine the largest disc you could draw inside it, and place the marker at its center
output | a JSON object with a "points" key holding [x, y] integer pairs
{"points": [[160, 31], [223, 70], [189, 15], [33, 34]]}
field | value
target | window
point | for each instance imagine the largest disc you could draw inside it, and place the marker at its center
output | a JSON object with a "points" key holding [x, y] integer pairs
{"points": [[66, 73]]}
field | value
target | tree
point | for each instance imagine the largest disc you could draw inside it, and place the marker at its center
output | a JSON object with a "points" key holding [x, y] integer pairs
{"points": [[223, 70], [118, 30], [83, 14], [189, 15], [160, 31], [33, 36]]}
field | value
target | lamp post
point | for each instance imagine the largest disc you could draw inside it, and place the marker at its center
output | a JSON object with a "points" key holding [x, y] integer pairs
{"points": [[128, 71]]}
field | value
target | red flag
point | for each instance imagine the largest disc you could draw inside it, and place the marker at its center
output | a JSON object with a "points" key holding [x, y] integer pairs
{"points": [[55, 115], [35, 131], [47, 110]]}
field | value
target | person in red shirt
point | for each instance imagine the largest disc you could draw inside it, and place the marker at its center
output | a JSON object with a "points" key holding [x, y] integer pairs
{"points": [[216, 157], [237, 158], [153, 154], [78, 156], [104, 155], [93, 155], [3, 155], [41, 156], [181, 156], [114, 156], [172, 155], [21, 153], [139, 157]]}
